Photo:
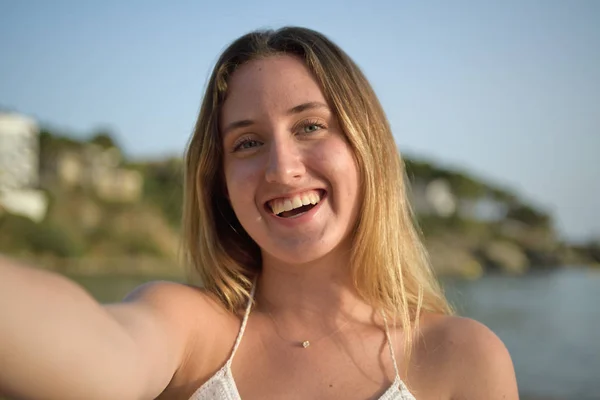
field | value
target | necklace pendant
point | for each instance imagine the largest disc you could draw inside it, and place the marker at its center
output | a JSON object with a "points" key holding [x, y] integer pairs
{"points": [[305, 344]]}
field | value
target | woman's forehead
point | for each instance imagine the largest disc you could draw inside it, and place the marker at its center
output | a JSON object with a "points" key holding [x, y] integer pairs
{"points": [[269, 86]]}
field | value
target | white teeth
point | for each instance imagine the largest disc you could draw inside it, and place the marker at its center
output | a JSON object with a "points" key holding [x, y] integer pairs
{"points": [[287, 205], [297, 201], [280, 205]]}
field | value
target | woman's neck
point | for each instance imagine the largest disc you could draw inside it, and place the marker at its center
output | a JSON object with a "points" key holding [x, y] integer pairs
{"points": [[312, 295]]}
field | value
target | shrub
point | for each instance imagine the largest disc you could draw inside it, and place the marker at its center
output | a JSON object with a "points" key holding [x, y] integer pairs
{"points": [[21, 235]]}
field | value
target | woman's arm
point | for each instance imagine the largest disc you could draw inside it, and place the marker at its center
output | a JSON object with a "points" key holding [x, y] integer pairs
{"points": [[57, 342]]}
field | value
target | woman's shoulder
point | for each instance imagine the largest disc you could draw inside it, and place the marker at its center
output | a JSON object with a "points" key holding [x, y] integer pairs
{"points": [[468, 355], [458, 333], [181, 301], [193, 315], [199, 322]]}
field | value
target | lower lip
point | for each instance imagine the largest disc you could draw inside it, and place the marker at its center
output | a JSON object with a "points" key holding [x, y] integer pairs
{"points": [[301, 219]]}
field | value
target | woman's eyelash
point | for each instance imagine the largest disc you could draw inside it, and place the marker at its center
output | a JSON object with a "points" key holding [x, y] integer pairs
{"points": [[239, 144], [308, 123]]}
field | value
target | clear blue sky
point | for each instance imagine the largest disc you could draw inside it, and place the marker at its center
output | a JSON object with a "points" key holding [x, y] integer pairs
{"points": [[508, 90]]}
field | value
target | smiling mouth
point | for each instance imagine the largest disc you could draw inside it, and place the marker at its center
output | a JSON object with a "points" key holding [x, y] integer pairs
{"points": [[294, 206]]}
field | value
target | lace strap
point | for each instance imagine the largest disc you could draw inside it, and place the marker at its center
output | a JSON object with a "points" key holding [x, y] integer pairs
{"points": [[390, 347], [238, 339]]}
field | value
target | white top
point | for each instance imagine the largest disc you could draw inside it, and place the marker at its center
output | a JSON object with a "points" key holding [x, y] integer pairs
{"points": [[221, 386]]}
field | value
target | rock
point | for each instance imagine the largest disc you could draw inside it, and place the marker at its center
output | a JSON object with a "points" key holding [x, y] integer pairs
{"points": [[453, 261], [506, 256]]}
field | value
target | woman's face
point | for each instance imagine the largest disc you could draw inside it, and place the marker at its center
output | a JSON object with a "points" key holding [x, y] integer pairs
{"points": [[290, 175]]}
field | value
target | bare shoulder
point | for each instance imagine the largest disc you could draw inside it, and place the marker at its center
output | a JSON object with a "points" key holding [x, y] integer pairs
{"points": [[180, 330], [191, 310], [459, 334], [472, 357], [177, 298]]}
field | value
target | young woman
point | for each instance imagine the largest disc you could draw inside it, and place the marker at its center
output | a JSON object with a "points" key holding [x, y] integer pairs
{"points": [[315, 282]]}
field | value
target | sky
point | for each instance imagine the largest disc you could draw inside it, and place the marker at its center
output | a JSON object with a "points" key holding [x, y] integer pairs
{"points": [[507, 90]]}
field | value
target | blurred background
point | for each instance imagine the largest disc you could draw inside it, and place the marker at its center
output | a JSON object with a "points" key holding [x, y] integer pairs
{"points": [[495, 106]]}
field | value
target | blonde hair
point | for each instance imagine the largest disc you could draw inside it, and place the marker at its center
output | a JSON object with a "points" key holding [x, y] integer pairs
{"points": [[389, 264]]}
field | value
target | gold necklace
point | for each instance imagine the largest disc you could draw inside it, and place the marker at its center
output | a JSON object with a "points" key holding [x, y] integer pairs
{"points": [[305, 343]]}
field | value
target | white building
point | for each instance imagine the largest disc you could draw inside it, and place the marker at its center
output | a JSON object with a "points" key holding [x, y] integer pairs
{"points": [[19, 152], [433, 198], [19, 164]]}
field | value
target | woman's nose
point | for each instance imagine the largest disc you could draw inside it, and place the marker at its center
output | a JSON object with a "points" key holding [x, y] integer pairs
{"points": [[285, 164]]}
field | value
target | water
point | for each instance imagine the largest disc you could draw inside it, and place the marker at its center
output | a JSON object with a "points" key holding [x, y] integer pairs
{"points": [[549, 322]]}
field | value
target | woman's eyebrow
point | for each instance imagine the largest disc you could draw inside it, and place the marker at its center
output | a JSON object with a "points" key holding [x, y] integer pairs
{"points": [[307, 106], [244, 123]]}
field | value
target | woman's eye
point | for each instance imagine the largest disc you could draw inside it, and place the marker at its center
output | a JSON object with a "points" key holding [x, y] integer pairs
{"points": [[246, 144], [311, 127]]}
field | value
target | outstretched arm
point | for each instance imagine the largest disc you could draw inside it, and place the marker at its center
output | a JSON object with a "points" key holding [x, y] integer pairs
{"points": [[57, 342]]}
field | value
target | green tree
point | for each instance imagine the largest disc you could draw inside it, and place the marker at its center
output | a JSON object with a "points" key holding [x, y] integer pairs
{"points": [[528, 215], [103, 138]]}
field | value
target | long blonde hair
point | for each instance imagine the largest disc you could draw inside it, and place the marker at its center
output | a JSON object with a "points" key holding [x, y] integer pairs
{"points": [[389, 264]]}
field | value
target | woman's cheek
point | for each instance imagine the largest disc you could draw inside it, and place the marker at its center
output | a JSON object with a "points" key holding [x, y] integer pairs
{"points": [[242, 183]]}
